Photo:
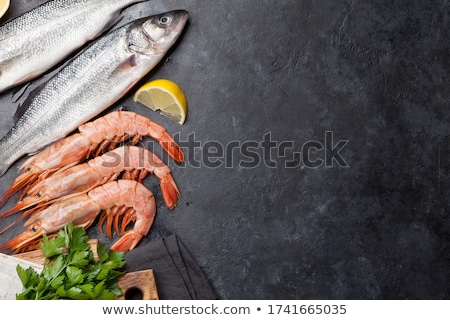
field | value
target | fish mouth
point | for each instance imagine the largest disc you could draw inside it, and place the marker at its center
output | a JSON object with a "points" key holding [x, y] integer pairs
{"points": [[182, 17]]}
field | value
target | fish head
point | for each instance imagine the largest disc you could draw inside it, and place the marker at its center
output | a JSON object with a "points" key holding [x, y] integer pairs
{"points": [[156, 34]]}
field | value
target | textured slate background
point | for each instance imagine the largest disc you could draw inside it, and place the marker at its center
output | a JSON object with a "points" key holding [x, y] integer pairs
{"points": [[375, 75]]}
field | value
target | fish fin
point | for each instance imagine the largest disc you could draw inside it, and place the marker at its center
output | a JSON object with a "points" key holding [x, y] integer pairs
{"points": [[20, 111], [130, 63], [132, 4], [115, 20], [109, 26], [20, 92]]}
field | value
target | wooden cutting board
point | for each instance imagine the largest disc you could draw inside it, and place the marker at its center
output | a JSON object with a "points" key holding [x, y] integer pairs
{"points": [[138, 285]]}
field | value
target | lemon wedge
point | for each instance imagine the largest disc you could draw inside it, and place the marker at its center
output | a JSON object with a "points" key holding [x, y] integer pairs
{"points": [[4, 5], [166, 96]]}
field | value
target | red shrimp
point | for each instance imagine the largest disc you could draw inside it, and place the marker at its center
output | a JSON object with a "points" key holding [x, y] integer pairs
{"points": [[93, 138], [116, 199], [97, 171]]}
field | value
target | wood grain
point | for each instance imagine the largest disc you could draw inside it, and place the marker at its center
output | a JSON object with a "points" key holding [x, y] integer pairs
{"points": [[139, 285]]}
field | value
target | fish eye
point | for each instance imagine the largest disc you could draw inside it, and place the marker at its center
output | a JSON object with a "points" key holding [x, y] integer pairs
{"points": [[38, 194], [165, 20], [35, 229]]}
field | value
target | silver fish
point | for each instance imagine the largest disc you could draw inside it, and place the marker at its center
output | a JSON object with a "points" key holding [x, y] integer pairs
{"points": [[94, 80], [38, 40]]}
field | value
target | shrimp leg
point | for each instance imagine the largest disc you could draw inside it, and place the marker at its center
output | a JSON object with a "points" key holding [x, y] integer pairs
{"points": [[82, 210]]}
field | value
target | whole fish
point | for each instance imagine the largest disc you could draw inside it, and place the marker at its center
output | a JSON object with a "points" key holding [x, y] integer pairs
{"points": [[38, 40], [94, 80]]}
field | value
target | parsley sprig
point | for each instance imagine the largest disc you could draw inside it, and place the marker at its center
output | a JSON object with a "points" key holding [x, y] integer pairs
{"points": [[71, 272]]}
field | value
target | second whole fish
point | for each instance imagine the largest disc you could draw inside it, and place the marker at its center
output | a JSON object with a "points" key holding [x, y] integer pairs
{"points": [[38, 40], [97, 78]]}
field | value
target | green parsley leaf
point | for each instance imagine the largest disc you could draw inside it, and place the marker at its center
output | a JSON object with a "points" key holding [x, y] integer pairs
{"points": [[76, 294], [88, 289], [61, 292], [106, 295], [102, 253], [57, 282], [78, 240], [52, 247], [74, 276], [103, 274], [54, 269], [70, 271], [25, 274], [80, 258]]}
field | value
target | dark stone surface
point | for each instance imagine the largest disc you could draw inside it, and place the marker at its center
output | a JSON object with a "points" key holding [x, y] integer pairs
{"points": [[368, 221]]}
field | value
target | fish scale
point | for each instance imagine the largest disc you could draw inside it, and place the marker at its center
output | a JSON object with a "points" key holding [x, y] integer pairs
{"points": [[38, 40], [94, 80]]}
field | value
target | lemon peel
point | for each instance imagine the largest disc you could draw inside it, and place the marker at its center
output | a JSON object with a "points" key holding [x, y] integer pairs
{"points": [[4, 5]]}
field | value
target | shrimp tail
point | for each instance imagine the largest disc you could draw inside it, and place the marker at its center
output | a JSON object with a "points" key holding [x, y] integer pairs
{"points": [[131, 238], [169, 191], [128, 241], [171, 147]]}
